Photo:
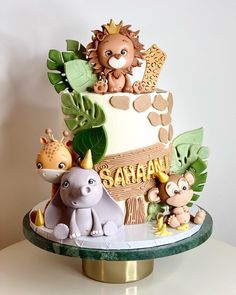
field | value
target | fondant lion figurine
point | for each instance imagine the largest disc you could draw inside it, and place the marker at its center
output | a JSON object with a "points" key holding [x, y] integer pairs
{"points": [[114, 52]]}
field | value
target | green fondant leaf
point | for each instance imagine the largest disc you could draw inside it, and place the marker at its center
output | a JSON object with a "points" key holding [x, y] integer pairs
{"points": [[154, 209], [71, 124], [77, 48], [56, 61], [80, 75], [183, 156], [60, 87], [67, 56], [56, 57], [198, 169], [81, 112], [195, 197], [52, 65], [187, 149], [94, 139], [203, 153], [54, 78], [192, 137]]}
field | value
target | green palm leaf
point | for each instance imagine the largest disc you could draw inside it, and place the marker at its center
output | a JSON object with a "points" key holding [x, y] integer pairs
{"points": [[80, 112], [94, 139], [187, 149], [56, 61], [80, 75], [198, 169]]}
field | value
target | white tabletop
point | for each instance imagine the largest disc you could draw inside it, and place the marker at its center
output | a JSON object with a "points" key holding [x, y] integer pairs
{"points": [[207, 269]]}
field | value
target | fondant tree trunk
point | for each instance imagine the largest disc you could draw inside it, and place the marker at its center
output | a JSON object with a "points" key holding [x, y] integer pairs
{"points": [[135, 211]]}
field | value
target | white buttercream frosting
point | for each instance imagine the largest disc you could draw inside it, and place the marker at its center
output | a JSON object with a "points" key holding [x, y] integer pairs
{"points": [[127, 129]]}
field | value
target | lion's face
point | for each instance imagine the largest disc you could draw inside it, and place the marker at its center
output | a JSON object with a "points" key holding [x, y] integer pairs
{"points": [[116, 51]]}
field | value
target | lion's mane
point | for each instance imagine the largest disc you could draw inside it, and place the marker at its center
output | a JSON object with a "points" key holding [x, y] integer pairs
{"points": [[99, 36]]}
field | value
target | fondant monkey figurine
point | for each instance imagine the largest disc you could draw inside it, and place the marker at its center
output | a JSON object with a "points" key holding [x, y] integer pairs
{"points": [[114, 52], [177, 193]]}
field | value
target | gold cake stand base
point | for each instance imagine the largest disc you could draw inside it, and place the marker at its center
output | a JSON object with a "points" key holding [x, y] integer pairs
{"points": [[117, 271], [116, 265]]}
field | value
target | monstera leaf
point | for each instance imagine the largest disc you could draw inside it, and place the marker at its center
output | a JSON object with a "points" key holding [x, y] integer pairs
{"points": [[80, 112], [187, 149], [94, 139], [192, 137], [198, 169], [56, 61], [80, 75], [75, 47]]}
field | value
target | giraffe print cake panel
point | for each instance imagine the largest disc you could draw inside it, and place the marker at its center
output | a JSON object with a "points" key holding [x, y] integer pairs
{"points": [[129, 128]]}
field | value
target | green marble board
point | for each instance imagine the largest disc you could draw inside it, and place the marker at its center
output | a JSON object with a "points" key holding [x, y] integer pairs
{"points": [[120, 255]]}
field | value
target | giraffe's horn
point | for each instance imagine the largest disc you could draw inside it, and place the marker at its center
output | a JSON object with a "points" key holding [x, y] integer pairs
{"points": [[87, 162]]}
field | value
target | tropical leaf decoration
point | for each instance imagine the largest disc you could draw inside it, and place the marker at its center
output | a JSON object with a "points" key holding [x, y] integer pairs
{"points": [[94, 139], [56, 61], [189, 154], [79, 74], [156, 208], [80, 112], [187, 148], [75, 48], [198, 169], [192, 137]]}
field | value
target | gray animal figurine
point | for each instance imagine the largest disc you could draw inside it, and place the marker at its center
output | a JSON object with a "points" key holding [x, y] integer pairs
{"points": [[82, 207]]}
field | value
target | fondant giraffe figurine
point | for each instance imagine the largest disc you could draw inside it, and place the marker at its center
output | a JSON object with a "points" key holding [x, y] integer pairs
{"points": [[54, 158]]}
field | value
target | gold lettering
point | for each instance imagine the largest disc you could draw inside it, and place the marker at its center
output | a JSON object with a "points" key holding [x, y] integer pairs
{"points": [[119, 177], [107, 180], [162, 164], [140, 173], [150, 170], [129, 173], [166, 163], [156, 166]]}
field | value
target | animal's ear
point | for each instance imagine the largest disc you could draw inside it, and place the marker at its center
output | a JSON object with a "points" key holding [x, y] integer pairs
{"points": [[43, 140], [56, 212], [68, 143], [190, 177], [153, 195]]}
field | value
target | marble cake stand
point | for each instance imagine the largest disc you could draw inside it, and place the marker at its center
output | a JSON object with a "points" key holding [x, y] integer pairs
{"points": [[119, 265]]}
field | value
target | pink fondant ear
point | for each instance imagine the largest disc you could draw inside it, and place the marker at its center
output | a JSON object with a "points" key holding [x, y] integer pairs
{"points": [[43, 140], [68, 143], [190, 177], [153, 195]]}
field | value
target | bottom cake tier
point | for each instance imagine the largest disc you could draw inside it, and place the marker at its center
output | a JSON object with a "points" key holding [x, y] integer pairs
{"points": [[128, 237]]}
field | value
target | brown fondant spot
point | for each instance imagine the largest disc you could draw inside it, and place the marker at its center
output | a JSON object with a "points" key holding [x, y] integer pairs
{"points": [[170, 132], [120, 102], [154, 119], [159, 103], [165, 119], [170, 102], [142, 103], [163, 135]]}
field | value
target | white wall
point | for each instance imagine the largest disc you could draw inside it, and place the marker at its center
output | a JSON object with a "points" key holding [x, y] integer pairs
{"points": [[199, 38]]}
